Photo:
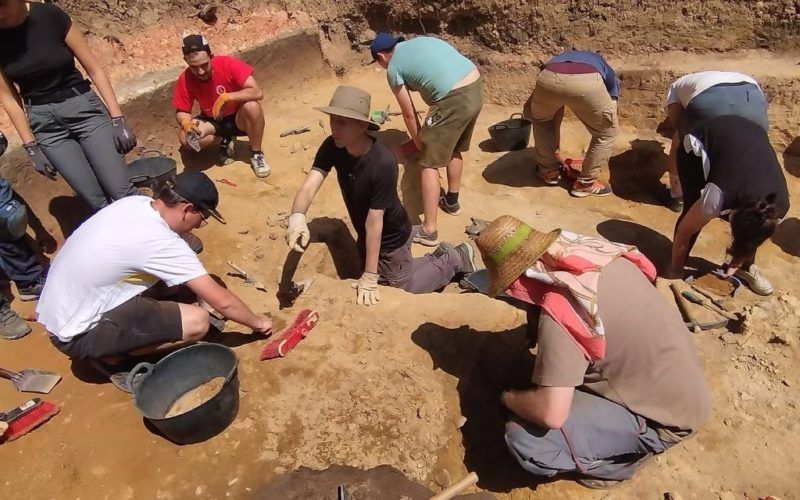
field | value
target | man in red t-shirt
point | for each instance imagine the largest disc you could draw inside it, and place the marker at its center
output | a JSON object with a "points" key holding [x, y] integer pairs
{"points": [[228, 97]]}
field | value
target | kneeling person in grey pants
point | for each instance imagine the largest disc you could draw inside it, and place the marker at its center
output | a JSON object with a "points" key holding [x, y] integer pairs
{"points": [[367, 173], [595, 413]]}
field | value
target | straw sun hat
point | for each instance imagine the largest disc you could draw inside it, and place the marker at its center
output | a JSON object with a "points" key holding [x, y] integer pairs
{"points": [[509, 247]]}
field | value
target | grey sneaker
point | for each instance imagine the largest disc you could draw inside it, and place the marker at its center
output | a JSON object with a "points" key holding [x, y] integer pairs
{"points": [[447, 208], [443, 248], [467, 255], [423, 238], [12, 327], [259, 165], [757, 282], [583, 189]]}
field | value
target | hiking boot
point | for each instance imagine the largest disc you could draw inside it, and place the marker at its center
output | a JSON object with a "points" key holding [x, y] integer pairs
{"points": [[594, 187], [755, 280], [549, 177], [259, 166], [467, 255], [423, 238], [225, 151], [30, 290], [12, 327], [451, 209]]}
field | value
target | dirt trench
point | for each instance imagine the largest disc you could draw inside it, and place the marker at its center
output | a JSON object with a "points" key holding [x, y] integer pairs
{"points": [[414, 382]]}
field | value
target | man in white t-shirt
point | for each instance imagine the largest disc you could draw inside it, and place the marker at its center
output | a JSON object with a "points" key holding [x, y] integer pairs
{"points": [[92, 304], [699, 96]]}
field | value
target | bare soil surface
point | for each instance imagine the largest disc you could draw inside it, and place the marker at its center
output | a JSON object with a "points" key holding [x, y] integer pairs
{"points": [[414, 382]]}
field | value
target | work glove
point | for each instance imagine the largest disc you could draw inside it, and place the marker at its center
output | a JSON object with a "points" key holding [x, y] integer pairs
{"points": [[3, 144], [190, 126], [297, 234], [124, 140], [367, 293], [40, 162], [222, 100]]}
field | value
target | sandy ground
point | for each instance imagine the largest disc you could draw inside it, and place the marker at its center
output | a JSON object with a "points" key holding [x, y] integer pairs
{"points": [[389, 384]]}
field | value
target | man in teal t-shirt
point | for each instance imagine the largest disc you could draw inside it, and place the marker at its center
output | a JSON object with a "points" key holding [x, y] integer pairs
{"points": [[451, 86]]}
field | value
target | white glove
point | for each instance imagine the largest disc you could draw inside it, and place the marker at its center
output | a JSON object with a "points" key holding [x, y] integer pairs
{"points": [[367, 293], [297, 234]]}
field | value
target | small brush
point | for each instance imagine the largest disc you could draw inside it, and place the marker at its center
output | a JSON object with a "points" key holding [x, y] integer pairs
{"points": [[26, 417], [281, 345]]}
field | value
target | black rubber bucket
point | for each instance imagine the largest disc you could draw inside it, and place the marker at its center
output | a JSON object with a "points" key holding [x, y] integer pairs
{"points": [[160, 385], [152, 170], [511, 134]]}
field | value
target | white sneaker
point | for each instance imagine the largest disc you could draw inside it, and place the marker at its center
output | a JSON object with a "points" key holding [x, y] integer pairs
{"points": [[755, 280], [259, 165]]}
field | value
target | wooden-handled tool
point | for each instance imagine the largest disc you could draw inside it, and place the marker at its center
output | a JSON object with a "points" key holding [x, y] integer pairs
{"points": [[248, 279], [708, 305], [457, 488], [682, 305]]}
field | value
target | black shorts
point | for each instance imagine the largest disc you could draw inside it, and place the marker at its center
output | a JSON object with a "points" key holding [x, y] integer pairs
{"points": [[224, 128], [139, 322]]}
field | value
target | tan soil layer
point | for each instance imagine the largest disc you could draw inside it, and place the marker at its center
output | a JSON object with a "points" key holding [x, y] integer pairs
{"points": [[414, 382]]}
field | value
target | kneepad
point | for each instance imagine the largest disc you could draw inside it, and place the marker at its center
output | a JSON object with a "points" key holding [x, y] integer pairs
{"points": [[13, 220]]}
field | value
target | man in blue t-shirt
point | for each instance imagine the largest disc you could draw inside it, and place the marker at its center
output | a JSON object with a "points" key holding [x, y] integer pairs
{"points": [[451, 86], [367, 174], [586, 84]]}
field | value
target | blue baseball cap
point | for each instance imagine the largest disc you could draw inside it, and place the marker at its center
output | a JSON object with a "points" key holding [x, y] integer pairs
{"points": [[383, 41]]}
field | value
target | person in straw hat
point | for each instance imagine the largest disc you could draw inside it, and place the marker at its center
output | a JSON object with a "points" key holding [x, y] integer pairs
{"points": [[367, 173], [616, 378]]}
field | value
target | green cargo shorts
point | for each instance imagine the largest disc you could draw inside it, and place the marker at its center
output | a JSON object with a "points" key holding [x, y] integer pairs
{"points": [[448, 127]]}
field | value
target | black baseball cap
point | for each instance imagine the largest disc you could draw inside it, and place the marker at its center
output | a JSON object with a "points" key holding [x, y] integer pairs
{"points": [[195, 43], [199, 190]]}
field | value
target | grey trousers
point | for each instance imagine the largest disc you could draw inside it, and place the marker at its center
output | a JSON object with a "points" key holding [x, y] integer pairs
{"points": [[77, 137], [399, 269], [600, 439]]}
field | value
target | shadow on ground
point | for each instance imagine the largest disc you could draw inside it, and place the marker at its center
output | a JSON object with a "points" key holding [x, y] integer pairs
{"points": [[343, 249], [791, 157], [69, 212], [485, 363], [635, 175], [787, 236], [514, 169], [656, 246]]}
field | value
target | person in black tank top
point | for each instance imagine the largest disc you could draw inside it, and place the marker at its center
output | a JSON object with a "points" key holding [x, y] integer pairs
{"points": [[63, 124], [727, 166]]}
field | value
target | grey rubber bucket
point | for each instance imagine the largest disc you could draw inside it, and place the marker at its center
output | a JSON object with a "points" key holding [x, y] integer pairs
{"points": [[511, 134], [157, 386]]}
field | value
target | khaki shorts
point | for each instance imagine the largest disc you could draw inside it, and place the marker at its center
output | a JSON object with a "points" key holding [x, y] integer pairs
{"points": [[448, 127]]}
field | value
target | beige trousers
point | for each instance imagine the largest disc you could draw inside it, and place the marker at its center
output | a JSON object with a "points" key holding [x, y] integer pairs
{"points": [[587, 97]]}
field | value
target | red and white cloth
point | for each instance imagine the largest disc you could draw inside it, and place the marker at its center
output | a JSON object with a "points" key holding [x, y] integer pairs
{"points": [[564, 282]]}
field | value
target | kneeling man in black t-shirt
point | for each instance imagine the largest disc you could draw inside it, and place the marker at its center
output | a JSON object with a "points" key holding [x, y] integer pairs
{"points": [[367, 173]]}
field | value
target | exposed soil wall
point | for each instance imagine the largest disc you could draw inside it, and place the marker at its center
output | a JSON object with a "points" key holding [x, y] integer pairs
{"points": [[624, 26]]}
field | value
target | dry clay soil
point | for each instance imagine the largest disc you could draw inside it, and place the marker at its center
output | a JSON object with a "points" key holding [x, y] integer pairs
{"points": [[390, 384]]}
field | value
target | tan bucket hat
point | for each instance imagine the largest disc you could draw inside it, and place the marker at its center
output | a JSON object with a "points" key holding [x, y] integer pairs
{"points": [[508, 248], [350, 102]]}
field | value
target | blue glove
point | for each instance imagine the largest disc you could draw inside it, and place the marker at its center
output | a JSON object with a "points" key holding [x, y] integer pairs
{"points": [[124, 140], [40, 162]]}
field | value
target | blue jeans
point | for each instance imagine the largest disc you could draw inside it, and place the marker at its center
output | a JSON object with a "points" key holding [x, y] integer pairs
{"points": [[745, 100], [600, 439]]}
